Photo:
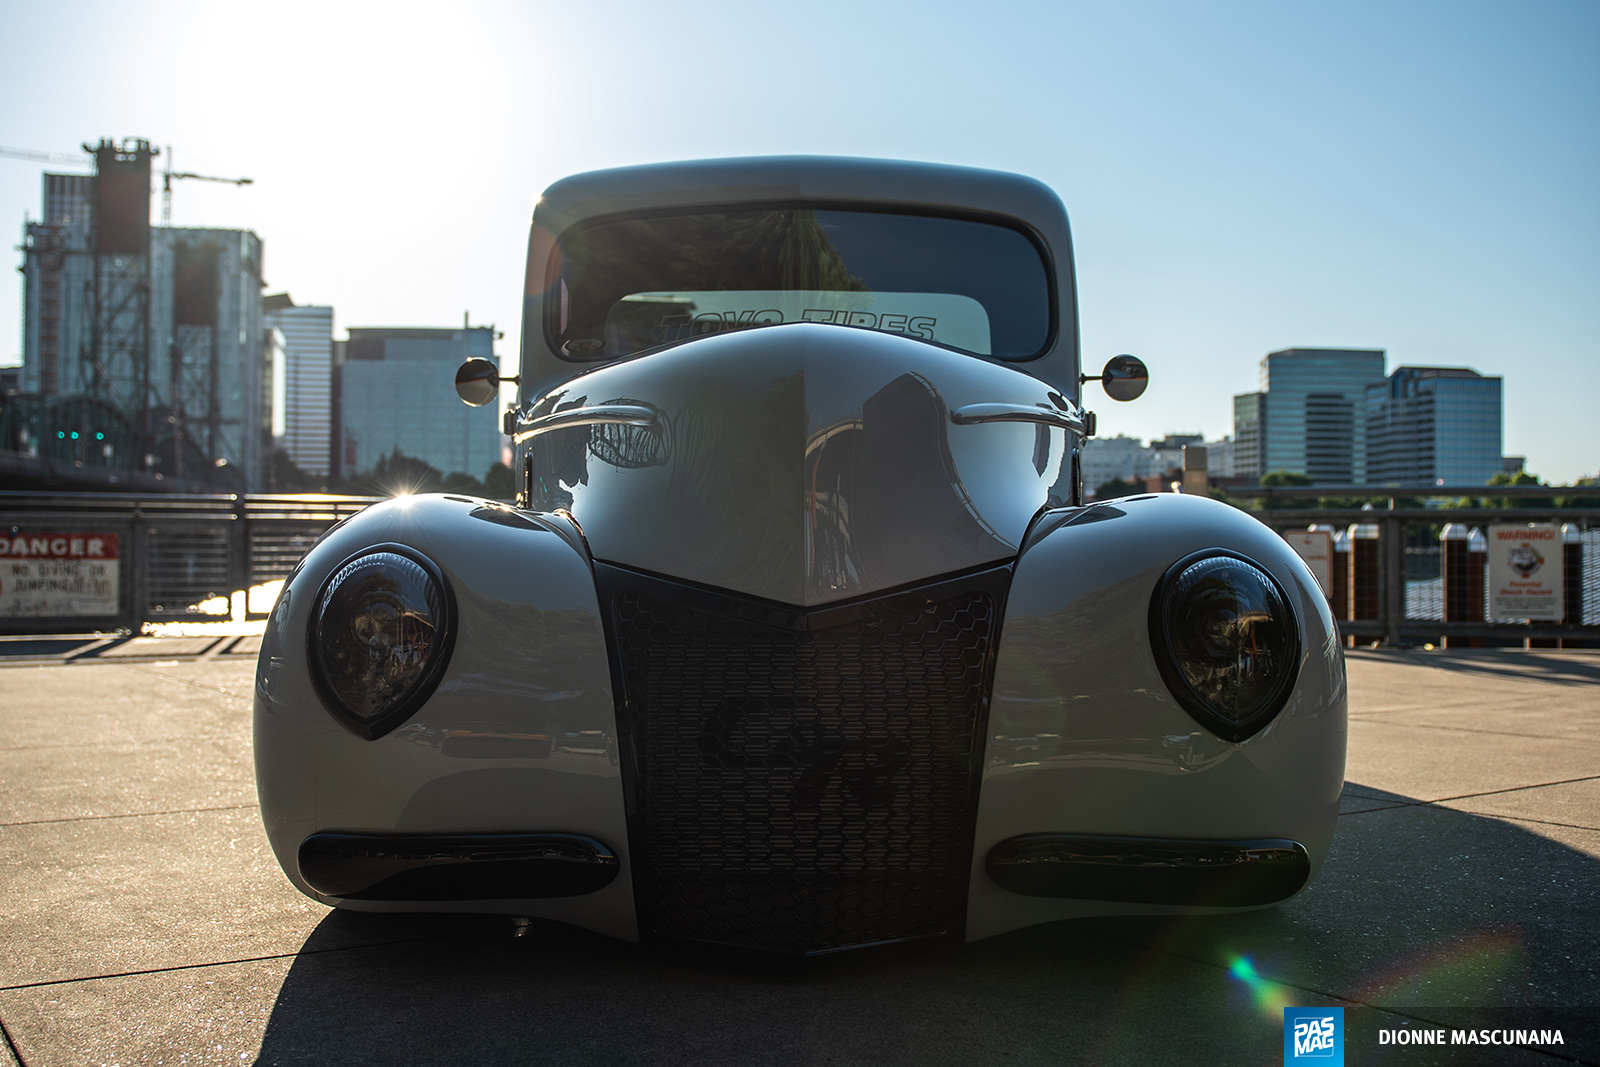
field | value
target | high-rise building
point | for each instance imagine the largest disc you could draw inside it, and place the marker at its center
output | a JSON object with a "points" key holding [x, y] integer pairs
{"points": [[1249, 428], [209, 375], [307, 381], [1433, 426], [142, 345], [1306, 417], [56, 270], [397, 394]]}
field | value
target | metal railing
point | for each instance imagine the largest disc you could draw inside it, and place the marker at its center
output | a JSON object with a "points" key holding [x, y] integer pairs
{"points": [[176, 558], [192, 558], [1398, 587]]}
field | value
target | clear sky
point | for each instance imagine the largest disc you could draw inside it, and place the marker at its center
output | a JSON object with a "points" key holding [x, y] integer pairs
{"points": [[1422, 177]]}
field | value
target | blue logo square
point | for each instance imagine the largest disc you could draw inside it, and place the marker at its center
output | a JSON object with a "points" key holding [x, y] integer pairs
{"points": [[1313, 1036]]}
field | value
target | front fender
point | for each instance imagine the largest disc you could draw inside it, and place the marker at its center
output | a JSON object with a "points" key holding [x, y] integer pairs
{"points": [[520, 735], [1085, 737]]}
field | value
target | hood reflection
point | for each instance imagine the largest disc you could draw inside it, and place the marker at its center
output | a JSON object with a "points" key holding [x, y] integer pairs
{"points": [[802, 464]]}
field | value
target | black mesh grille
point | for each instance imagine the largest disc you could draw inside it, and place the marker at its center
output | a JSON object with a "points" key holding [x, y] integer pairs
{"points": [[805, 782]]}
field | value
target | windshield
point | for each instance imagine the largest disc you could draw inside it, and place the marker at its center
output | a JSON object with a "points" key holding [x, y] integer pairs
{"points": [[629, 285]]}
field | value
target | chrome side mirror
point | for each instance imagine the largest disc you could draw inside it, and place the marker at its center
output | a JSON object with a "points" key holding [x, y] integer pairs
{"points": [[1124, 378], [478, 382]]}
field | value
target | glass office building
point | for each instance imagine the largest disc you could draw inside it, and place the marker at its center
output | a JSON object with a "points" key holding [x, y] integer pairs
{"points": [[1434, 426], [306, 378], [1307, 416], [1249, 423], [397, 393]]}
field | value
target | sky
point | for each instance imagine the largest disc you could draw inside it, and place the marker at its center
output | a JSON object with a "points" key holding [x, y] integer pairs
{"points": [[1421, 177]]}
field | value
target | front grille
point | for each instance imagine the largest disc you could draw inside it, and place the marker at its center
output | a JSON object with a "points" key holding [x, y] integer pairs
{"points": [[803, 781]]}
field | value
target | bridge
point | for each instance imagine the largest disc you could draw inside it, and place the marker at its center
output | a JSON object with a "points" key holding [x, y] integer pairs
{"points": [[144, 919]]}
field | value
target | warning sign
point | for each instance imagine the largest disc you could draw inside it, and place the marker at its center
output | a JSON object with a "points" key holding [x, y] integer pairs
{"points": [[1316, 548], [1525, 572], [57, 574]]}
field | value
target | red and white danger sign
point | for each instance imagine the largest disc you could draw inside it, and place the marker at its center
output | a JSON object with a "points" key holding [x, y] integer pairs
{"points": [[57, 574]]}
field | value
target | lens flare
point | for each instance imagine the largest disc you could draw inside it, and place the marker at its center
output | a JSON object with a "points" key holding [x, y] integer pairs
{"points": [[1466, 969], [1269, 997]]}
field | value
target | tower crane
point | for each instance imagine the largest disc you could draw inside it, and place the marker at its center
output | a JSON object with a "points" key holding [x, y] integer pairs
{"points": [[43, 157], [168, 176]]}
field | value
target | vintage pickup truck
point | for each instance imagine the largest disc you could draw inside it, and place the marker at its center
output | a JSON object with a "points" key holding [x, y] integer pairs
{"points": [[800, 635]]}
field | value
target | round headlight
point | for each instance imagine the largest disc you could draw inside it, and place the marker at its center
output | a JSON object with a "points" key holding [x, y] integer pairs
{"points": [[380, 636], [1226, 641]]}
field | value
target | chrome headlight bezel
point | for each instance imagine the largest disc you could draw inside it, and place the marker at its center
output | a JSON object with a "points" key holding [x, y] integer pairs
{"points": [[1180, 652], [331, 638]]}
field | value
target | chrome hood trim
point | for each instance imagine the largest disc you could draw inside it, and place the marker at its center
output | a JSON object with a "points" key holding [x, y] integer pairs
{"points": [[804, 463]]}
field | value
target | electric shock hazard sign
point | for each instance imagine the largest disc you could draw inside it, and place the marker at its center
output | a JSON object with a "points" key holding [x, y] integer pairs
{"points": [[58, 574], [1525, 579]]}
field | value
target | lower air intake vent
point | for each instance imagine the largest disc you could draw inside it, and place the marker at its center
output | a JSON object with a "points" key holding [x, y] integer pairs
{"points": [[803, 781]]}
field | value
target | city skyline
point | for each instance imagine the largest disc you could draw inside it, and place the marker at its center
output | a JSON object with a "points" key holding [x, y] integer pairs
{"points": [[1240, 183]]}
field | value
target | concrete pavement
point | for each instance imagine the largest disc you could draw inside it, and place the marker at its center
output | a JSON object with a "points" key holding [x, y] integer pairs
{"points": [[144, 921]]}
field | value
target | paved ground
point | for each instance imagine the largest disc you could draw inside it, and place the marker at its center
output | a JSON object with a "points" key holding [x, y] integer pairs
{"points": [[143, 920]]}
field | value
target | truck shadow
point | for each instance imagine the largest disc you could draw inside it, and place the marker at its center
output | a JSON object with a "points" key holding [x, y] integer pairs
{"points": [[1420, 910]]}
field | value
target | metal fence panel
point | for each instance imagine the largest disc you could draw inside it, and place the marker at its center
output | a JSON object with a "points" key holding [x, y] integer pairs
{"points": [[184, 557], [187, 571]]}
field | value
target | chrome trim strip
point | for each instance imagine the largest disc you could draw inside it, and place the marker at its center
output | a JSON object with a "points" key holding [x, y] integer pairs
{"points": [[594, 415], [972, 414]]}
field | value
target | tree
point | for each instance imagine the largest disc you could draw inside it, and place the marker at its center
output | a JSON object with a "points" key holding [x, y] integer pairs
{"points": [[286, 476], [1284, 478], [499, 483], [1117, 487], [398, 473], [1519, 478], [1581, 501], [1216, 492]]}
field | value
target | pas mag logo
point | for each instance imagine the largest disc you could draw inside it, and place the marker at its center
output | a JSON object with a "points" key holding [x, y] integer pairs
{"points": [[1313, 1036]]}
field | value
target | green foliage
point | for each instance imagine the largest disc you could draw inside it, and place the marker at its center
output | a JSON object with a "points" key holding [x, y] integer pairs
{"points": [[1272, 478], [1577, 501], [1519, 478], [399, 473], [1216, 492], [499, 484], [1117, 487], [1284, 478], [285, 476]]}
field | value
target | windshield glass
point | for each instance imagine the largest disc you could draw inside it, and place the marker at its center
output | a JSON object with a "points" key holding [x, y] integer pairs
{"points": [[629, 285]]}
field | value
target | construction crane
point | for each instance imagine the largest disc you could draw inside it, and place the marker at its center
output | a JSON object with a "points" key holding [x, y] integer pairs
{"points": [[169, 176], [44, 157]]}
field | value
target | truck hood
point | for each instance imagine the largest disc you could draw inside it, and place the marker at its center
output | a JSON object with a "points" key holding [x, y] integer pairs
{"points": [[803, 464]]}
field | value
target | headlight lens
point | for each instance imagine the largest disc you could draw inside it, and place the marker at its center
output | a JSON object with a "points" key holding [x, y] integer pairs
{"points": [[379, 638], [1227, 642]]}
